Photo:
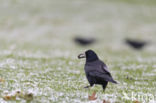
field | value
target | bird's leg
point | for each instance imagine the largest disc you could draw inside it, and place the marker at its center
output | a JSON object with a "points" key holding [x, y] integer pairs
{"points": [[104, 86], [104, 91]]}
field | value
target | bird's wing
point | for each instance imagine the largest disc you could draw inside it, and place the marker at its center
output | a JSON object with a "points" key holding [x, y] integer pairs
{"points": [[104, 76], [104, 68], [97, 74]]}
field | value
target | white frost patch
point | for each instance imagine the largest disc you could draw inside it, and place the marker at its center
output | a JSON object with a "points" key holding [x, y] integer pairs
{"points": [[149, 74], [154, 66], [134, 67], [111, 97]]}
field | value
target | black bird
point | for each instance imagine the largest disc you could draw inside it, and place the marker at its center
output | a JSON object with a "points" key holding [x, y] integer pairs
{"points": [[136, 44], [84, 41], [96, 70]]}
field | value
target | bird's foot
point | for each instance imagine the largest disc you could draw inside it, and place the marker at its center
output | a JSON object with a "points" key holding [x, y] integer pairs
{"points": [[86, 86]]}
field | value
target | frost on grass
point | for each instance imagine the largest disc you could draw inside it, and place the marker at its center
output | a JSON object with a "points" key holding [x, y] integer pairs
{"points": [[37, 54]]}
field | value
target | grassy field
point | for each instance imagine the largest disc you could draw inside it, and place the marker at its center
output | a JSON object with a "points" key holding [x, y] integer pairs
{"points": [[38, 55]]}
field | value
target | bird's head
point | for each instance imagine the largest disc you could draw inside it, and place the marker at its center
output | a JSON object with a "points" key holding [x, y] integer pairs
{"points": [[90, 56]]}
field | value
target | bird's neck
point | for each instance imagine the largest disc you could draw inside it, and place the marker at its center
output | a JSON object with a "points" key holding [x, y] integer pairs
{"points": [[91, 60]]}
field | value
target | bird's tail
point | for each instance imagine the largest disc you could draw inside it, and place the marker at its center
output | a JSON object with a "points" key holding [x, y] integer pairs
{"points": [[113, 81]]}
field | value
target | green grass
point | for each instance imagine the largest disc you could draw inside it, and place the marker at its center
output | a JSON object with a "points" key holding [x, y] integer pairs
{"points": [[37, 53]]}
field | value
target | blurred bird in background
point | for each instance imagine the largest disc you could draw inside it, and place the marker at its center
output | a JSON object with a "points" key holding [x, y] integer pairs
{"points": [[84, 41], [136, 44]]}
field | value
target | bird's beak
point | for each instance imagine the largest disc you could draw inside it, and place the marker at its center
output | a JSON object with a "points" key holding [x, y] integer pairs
{"points": [[83, 55]]}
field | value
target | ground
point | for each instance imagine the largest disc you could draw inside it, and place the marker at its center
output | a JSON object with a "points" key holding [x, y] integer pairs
{"points": [[38, 55]]}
